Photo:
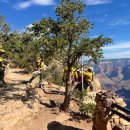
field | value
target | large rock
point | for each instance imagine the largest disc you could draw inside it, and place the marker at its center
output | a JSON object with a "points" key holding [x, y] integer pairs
{"points": [[102, 113], [96, 84]]}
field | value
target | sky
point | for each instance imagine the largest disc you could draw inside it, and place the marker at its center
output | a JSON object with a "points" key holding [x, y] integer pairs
{"points": [[111, 18]]}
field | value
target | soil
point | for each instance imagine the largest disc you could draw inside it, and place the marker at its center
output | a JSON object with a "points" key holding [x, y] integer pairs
{"points": [[15, 114]]}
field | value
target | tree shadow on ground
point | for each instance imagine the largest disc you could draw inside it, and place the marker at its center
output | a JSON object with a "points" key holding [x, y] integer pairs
{"points": [[29, 95], [77, 116], [11, 93], [52, 104], [54, 92], [21, 72], [5, 97], [54, 125]]}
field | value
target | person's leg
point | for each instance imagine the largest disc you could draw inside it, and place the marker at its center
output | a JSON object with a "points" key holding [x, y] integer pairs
{"points": [[91, 87], [80, 87], [85, 84], [1, 84], [32, 78], [40, 80], [2, 75]]}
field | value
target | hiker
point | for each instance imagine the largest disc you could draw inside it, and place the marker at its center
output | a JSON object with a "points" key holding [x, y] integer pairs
{"points": [[73, 74], [88, 78], [41, 67], [2, 67], [79, 80], [79, 73]]}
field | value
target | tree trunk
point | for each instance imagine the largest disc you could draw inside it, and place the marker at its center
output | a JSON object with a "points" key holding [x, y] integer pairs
{"points": [[66, 103]]}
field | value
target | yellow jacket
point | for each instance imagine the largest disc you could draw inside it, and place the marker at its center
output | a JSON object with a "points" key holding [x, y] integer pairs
{"points": [[73, 72], [1, 59], [88, 76], [41, 65]]}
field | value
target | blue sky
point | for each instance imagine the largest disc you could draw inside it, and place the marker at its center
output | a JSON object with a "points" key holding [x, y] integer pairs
{"points": [[110, 18]]}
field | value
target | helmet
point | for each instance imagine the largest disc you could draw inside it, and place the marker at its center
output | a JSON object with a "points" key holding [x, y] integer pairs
{"points": [[91, 68]]}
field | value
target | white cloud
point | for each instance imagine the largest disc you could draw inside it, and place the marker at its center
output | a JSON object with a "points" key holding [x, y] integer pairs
{"points": [[120, 50], [123, 45], [96, 2], [115, 55], [43, 2], [120, 22], [29, 26], [26, 4]]}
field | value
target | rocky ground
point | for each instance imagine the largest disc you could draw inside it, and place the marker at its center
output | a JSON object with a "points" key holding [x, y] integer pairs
{"points": [[121, 87], [22, 108]]}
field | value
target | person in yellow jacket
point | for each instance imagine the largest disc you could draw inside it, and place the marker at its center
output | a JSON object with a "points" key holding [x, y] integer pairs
{"points": [[2, 67], [41, 67], [88, 78], [73, 74]]}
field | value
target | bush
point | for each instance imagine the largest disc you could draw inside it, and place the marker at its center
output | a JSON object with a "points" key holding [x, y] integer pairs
{"points": [[87, 108], [80, 95]]}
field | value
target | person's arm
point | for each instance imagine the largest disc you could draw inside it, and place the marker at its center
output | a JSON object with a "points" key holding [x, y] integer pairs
{"points": [[42, 67]]}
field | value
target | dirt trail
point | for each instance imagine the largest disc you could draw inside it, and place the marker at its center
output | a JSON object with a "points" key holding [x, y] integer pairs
{"points": [[39, 117], [45, 120]]}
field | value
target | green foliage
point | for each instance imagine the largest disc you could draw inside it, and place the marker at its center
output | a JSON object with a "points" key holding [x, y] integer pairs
{"points": [[1, 20], [87, 108], [73, 31], [18, 49], [4, 30], [54, 73], [80, 95], [67, 38], [64, 39], [56, 77]]}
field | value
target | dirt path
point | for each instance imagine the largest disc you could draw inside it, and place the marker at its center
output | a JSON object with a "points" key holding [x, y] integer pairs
{"points": [[39, 122], [44, 118]]}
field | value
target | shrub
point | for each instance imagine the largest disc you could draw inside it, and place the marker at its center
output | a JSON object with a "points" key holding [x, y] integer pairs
{"points": [[87, 108]]}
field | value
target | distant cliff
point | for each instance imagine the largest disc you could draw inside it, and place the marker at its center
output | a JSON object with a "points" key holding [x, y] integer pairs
{"points": [[114, 74], [119, 68]]}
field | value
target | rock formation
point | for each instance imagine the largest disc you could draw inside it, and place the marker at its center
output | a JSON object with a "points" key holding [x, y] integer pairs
{"points": [[103, 118]]}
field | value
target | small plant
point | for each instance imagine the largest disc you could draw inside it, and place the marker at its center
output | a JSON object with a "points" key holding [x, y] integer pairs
{"points": [[87, 109], [80, 95]]}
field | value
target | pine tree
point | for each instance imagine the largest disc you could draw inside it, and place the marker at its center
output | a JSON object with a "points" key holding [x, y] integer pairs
{"points": [[67, 39]]}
